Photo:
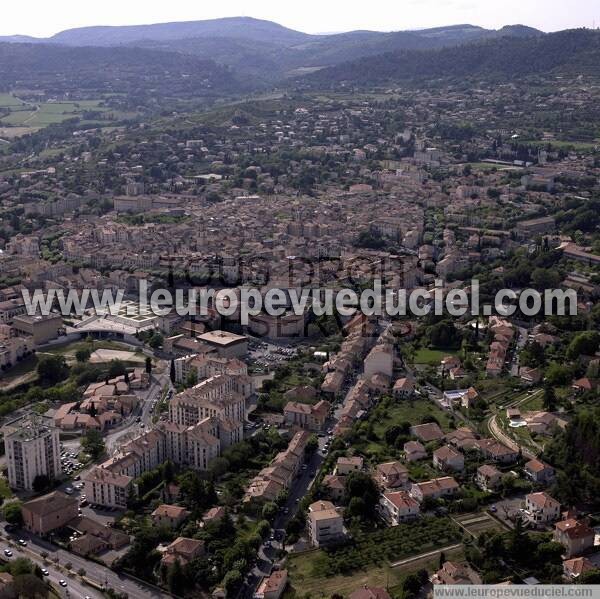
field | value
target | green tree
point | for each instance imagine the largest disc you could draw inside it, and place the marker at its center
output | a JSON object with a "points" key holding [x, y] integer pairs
{"points": [[83, 355], [549, 398], [52, 369], [93, 443], [12, 513]]}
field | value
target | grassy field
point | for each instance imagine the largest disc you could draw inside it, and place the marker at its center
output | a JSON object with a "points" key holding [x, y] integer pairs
{"points": [[431, 357], [27, 117], [69, 350], [409, 411], [303, 581], [9, 101]]}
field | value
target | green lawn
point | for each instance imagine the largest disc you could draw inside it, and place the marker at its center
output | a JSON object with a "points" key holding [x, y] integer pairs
{"points": [[411, 411], [50, 113], [431, 357], [9, 101]]}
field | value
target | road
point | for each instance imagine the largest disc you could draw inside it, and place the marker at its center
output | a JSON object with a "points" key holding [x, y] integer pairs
{"points": [[97, 573], [131, 428], [501, 436], [75, 589], [268, 552]]}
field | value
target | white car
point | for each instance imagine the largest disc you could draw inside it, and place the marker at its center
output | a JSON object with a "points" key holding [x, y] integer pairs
{"points": [[62, 583]]}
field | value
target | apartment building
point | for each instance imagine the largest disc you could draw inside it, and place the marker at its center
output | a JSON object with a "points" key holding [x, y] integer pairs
{"points": [[106, 488], [325, 524], [32, 449], [203, 420]]}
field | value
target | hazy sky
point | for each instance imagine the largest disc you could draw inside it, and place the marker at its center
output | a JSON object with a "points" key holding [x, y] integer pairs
{"points": [[46, 17]]}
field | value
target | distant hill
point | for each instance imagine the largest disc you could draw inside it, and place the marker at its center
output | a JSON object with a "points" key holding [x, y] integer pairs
{"points": [[576, 50], [267, 51], [60, 69], [236, 27]]}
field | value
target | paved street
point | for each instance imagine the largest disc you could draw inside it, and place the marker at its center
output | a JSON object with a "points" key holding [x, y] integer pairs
{"points": [[96, 572]]}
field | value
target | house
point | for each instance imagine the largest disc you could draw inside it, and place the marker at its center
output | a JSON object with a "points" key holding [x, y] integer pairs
{"points": [[380, 360], [404, 388], [513, 414], [576, 536], [541, 509], [453, 573], [539, 472], [584, 384], [497, 452], [575, 567], [306, 416], [95, 537], [369, 593], [488, 477], [397, 507], [466, 398], [335, 487], [182, 550], [448, 459], [543, 423], [530, 376], [391, 475], [172, 516], [272, 587], [214, 514], [427, 432], [88, 545], [49, 512], [345, 466], [414, 451], [436, 488], [325, 524], [462, 438]]}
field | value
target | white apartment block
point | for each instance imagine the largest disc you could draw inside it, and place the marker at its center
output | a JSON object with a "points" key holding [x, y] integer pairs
{"points": [[32, 449]]}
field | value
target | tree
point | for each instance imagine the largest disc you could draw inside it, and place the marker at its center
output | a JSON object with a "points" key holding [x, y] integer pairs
{"points": [[361, 486], [175, 579], [40, 483], [116, 368], [12, 513], [52, 369], [231, 582], [93, 443], [583, 344], [312, 444], [549, 398], [269, 511], [83, 355], [156, 340], [557, 374], [149, 365], [192, 379], [172, 372]]}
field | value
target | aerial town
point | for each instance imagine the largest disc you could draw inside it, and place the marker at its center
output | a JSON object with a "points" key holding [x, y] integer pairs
{"points": [[363, 456]]}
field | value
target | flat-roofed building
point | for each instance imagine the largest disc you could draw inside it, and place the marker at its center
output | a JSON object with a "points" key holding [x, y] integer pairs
{"points": [[32, 449]]}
